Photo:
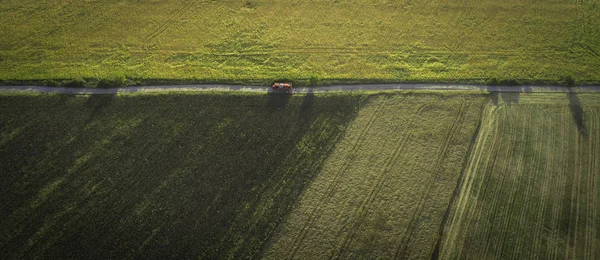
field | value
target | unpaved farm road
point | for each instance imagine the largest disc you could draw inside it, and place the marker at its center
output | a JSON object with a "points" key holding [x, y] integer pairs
{"points": [[334, 88]]}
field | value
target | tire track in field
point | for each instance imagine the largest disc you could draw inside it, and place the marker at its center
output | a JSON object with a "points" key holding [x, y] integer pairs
{"points": [[545, 187], [460, 182], [335, 182], [455, 243], [525, 165], [484, 186], [566, 186], [592, 181], [498, 197], [594, 125], [425, 53], [170, 21], [368, 52], [589, 232], [593, 122], [574, 202], [510, 216], [560, 192], [364, 208], [556, 189], [411, 228], [488, 164], [576, 197]]}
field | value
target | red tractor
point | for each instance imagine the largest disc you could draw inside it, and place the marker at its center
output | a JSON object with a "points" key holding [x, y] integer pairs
{"points": [[282, 86]]}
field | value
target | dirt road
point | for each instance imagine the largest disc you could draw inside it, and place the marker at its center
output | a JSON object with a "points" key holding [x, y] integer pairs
{"points": [[335, 88]]}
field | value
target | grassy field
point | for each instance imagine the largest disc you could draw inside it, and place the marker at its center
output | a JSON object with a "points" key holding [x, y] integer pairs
{"points": [[157, 176], [532, 186], [384, 191], [310, 42]]}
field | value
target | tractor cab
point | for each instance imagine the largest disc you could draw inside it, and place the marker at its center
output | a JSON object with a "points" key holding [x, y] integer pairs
{"points": [[282, 86]]}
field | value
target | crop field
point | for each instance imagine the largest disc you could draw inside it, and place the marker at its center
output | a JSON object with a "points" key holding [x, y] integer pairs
{"points": [[157, 176], [309, 42], [412, 174], [385, 189], [532, 186]]}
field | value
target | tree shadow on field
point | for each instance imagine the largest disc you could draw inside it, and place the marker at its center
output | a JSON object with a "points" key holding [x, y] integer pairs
{"points": [[307, 103], [170, 176], [577, 112], [508, 97], [493, 96]]}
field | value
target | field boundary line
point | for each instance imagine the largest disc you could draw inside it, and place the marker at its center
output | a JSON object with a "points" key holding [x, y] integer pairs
{"points": [[459, 217]]}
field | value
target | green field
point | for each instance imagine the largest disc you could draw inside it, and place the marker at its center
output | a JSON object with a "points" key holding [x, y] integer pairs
{"points": [[157, 176], [310, 42], [384, 190], [532, 186], [414, 174]]}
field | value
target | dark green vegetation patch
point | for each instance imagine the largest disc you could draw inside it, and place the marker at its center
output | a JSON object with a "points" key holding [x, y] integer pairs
{"points": [[157, 176]]}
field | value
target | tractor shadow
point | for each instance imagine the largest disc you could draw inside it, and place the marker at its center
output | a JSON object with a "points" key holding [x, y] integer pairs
{"points": [[278, 100], [510, 98], [577, 112]]}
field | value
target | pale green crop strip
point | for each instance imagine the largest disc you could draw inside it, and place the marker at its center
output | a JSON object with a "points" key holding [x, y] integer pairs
{"points": [[531, 187], [316, 42]]}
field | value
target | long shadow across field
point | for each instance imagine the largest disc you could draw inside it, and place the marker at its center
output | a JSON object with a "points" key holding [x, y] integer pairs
{"points": [[158, 176]]}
